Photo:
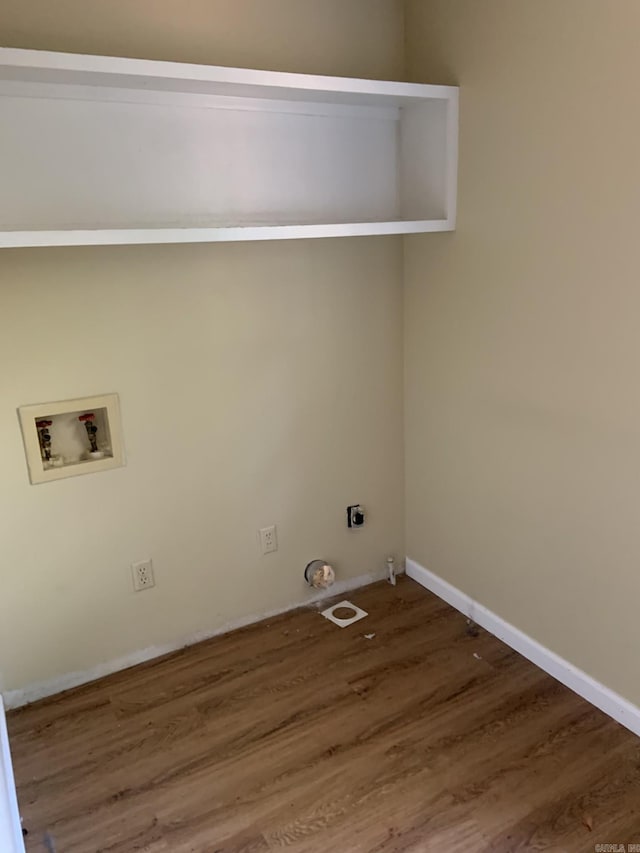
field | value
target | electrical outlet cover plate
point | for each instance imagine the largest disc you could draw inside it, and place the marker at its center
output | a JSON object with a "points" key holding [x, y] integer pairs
{"points": [[269, 539], [142, 573], [358, 613]]}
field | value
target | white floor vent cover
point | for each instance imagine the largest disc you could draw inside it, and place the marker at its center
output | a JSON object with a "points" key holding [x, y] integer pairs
{"points": [[342, 621]]}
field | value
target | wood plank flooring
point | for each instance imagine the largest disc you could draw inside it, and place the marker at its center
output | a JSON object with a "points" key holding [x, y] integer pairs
{"points": [[295, 735]]}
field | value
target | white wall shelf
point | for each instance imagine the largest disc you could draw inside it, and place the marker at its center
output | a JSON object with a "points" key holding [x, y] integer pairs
{"points": [[106, 150]]}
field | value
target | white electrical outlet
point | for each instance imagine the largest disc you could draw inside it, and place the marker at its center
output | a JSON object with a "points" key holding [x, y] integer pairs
{"points": [[268, 539], [142, 575]]}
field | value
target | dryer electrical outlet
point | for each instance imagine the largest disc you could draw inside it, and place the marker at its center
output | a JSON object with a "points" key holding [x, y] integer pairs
{"points": [[355, 516]]}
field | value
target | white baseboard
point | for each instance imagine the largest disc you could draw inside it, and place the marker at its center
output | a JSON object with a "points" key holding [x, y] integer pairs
{"points": [[42, 689], [584, 685]]}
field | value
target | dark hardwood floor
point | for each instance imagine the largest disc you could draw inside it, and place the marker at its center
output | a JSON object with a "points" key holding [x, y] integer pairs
{"points": [[300, 736]]}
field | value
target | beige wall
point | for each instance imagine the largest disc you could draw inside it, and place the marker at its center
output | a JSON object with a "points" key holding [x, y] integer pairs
{"points": [[260, 383], [522, 328], [345, 37]]}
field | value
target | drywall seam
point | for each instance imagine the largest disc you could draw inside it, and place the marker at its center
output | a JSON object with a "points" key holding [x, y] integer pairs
{"points": [[41, 689], [584, 685]]}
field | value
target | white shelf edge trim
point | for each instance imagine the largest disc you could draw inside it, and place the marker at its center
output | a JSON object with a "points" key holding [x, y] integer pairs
{"points": [[128, 236], [10, 827], [89, 68], [611, 703]]}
